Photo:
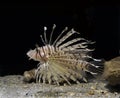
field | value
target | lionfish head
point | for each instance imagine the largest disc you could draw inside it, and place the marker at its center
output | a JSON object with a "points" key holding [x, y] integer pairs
{"points": [[33, 54]]}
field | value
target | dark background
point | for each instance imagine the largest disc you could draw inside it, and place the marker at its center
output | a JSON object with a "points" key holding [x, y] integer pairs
{"points": [[21, 24]]}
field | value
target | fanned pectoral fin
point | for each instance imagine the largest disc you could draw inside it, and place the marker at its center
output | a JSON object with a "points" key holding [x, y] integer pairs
{"points": [[61, 72]]}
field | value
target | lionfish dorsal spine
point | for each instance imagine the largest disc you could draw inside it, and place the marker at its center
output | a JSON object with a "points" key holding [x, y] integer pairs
{"points": [[51, 34], [45, 37], [64, 30], [70, 42], [42, 40], [69, 33]]}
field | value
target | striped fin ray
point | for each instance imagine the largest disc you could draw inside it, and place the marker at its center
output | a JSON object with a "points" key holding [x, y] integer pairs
{"points": [[83, 51], [76, 46], [66, 28], [70, 62], [61, 72], [67, 73], [71, 71], [61, 56], [70, 42], [75, 71], [51, 35], [66, 61], [71, 32], [82, 45]]}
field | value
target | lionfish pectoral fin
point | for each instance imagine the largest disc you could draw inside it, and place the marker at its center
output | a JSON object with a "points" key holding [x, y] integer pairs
{"points": [[74, 79], [93, 73]]}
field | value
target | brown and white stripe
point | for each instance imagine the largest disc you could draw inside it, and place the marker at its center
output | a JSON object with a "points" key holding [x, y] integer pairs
{"points": [[62, 62]]}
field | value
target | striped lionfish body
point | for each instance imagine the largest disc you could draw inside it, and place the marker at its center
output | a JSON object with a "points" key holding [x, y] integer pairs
{"points": [[61, 61]]}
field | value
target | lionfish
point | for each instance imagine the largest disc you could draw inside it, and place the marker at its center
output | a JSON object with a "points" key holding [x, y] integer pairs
{"points": [[63, 60]]}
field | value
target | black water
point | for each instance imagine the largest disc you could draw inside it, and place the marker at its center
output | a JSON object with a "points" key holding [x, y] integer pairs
{"points": [[21, 25]]}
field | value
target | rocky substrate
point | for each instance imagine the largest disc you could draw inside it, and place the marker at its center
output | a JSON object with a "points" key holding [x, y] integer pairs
{"points": [[12, 86]]}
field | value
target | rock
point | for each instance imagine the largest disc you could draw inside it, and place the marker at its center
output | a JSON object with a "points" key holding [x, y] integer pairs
{"points": [[112, 71]]}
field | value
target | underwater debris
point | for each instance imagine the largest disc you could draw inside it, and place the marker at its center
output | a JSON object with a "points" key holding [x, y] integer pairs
{"points": [[61, 61], [29, 75], [111, 71]]}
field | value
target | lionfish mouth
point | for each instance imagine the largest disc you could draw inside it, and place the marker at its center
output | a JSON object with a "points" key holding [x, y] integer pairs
{"points": [[66, 60], [30, 54]]}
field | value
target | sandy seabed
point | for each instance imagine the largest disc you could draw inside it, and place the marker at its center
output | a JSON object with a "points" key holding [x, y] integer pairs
{"points": [[12, 86]]}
